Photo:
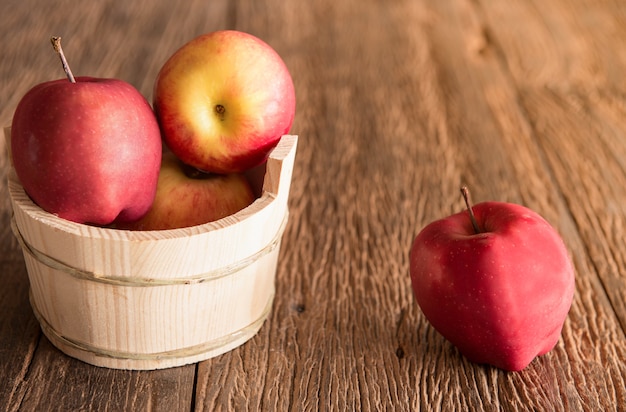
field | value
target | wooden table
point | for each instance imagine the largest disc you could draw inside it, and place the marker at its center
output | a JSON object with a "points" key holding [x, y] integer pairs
{"points": [[399, 103]]}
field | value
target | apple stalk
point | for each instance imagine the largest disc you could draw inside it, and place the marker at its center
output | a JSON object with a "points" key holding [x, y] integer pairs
{"points": [[466, 197], [56, 44]]}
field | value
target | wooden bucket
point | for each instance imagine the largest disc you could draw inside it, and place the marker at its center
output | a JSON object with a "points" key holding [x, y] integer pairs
{"points": [[156, 299]]}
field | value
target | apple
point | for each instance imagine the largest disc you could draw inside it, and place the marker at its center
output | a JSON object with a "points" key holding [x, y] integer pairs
{"points": [[87, 149], [188, 197], [223, 100], [495, 280]]}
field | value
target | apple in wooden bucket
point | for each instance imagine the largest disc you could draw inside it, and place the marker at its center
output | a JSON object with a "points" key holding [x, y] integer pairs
{"points": [[187, 196], [149, 299], [87, 149]]}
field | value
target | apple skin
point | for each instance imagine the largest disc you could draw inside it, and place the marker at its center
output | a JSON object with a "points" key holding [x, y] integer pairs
{"points": [[223, 100], [500, 296], [186, 197], [88, 151]]}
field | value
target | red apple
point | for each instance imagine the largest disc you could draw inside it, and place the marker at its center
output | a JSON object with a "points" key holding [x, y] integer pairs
{"points": [[87, 149], [223, 101], [187, 197], [501, 292]]}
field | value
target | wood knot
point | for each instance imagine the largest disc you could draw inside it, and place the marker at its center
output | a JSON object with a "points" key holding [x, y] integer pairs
{"points": [[480, 42]]}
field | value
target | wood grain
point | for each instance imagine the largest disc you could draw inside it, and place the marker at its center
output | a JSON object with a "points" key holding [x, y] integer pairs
{"points": [[399, 103]]}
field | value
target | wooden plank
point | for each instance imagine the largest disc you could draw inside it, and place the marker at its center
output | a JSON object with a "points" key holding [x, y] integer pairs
{"points": [[577, 106], [348, 329], [64, 383], [108, 39], [19, 331]]}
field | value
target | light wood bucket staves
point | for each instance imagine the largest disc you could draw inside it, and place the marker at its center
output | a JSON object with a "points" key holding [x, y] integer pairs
{"points": [[156, 299]]}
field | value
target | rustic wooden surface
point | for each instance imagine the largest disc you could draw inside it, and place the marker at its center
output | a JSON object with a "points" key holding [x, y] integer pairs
{"points": [[399, 102]]}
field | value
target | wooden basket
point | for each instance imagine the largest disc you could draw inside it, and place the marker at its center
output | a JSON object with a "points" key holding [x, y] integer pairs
{"points": [[156, 299]]}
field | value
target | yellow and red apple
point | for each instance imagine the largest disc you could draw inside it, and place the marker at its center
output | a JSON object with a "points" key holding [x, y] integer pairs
{"points": [[188, 197], [223, 100]]}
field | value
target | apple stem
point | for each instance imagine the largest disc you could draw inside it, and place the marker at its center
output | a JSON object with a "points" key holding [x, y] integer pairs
{"points": [[220, 110], [56, 44], [466, 197]]}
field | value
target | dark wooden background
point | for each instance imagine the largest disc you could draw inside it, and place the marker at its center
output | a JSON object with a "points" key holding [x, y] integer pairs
{"points": [[399, 102]]}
